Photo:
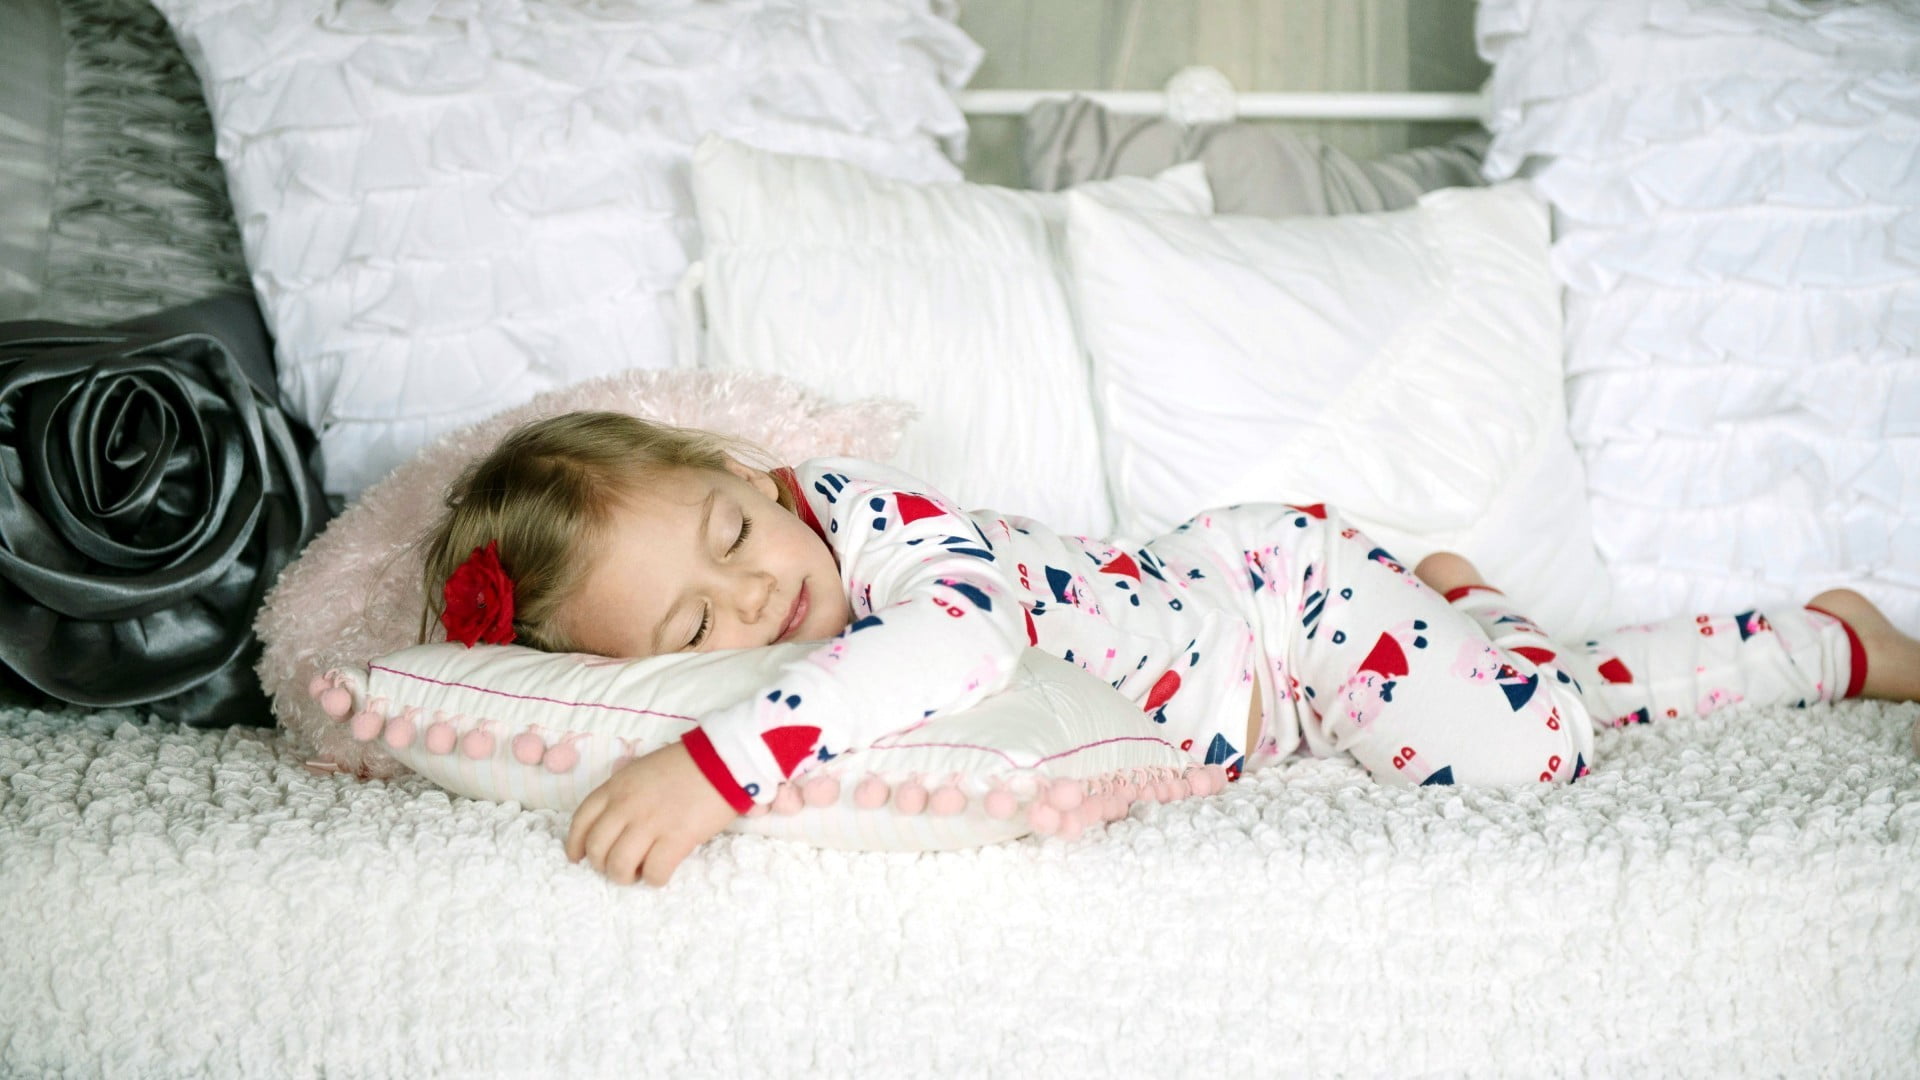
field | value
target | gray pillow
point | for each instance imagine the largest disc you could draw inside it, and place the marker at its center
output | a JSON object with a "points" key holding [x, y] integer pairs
{"points": [[32, 84], [112, 203], [1256, 170]]}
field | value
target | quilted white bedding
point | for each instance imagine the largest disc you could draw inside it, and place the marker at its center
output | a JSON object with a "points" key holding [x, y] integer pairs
{"points": [[1731, 896], [1736, 190], [448, 207]]}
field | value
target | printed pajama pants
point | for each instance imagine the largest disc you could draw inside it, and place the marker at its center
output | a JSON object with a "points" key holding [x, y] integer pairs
{"points": [[1361, 657]]}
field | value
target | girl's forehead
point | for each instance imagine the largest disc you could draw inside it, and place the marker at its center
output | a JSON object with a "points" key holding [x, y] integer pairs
{"points": [[672, 487], [676, 494]]}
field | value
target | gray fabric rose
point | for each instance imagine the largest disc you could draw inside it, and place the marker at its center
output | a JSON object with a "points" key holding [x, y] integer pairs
{"points": [[150, 492]]}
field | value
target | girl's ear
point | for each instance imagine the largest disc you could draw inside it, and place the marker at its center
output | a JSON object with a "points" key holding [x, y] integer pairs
{"points": [[762, 481]]}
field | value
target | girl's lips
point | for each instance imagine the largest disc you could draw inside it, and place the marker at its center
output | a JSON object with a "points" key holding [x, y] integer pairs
{"points": [[794, 614]]}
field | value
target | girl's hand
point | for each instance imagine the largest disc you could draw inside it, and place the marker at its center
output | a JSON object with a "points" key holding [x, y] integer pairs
{"points": [[647, 817]]}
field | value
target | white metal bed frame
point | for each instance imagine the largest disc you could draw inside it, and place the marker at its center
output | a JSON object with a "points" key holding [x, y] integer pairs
{"points": [[1204, 95]]}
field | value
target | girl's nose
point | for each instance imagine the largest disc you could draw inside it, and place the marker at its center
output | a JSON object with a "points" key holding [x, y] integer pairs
{"points": [[754, 591]]}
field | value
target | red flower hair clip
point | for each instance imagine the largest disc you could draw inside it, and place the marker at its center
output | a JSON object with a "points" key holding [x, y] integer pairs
{"points": [[479, 600]]}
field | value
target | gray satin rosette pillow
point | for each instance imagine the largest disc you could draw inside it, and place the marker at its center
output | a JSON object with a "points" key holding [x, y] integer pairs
{"points": [[150, 492]]}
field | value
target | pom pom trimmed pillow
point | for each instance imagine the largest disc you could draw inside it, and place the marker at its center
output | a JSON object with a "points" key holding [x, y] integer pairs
{"points": [[1054, 752], [355, 592]]}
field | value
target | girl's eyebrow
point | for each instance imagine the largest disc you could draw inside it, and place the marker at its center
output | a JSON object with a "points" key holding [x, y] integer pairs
{"points": [[706, 514]]}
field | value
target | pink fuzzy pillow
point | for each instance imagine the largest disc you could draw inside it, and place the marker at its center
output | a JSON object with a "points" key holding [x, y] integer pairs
{"points": [[355, 593]]}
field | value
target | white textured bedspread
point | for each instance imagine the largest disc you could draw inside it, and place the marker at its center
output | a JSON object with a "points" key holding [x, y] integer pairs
{"points": [[1729, 896]]}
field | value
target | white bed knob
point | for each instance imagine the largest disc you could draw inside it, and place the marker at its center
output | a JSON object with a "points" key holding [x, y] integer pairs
{"points": [[1201, 95]]}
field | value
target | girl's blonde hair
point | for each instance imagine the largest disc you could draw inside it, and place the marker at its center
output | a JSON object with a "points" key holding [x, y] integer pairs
{"points": [[545, 494]]}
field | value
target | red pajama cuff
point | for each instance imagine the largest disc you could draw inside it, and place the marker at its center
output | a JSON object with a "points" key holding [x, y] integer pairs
{"points": [[715, 770], [1455, 594], [1857, 654]]}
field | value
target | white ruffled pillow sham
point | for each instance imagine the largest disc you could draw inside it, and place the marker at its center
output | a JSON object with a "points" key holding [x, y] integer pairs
{"points": [[1055, 752], [952, 297], [1404, 366], [1736, 188], [448, 207]]}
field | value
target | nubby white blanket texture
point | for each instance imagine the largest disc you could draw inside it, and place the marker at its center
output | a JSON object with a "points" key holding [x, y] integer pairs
{"points": [[1735, 895]]}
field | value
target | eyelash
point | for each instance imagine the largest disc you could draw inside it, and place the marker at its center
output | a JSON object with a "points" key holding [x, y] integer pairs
{"points": [[746, 526]]}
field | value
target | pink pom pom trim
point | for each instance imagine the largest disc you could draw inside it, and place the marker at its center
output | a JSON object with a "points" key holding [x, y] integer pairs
{"points": [[1044, 818], [1065, 794], [1069, 826], [440, 735], [562, 758], [402, 729], [787, 800], [478, 743], [529, 748], [1000, 804], [1054, 806], [910, 797], [948, 801], [336, 702], [871, 794]]}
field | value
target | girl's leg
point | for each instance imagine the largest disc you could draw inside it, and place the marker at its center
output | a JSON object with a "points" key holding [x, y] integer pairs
{"points": [[1695, 665], [1893, 658], [1460, 584], [1410, 686], [1700, 664]]}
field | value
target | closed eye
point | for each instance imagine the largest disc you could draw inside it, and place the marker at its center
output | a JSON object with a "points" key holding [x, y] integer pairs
{"points": [[746, 527]]}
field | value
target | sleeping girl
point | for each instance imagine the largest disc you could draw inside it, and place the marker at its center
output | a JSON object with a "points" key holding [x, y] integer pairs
{"points": [[1247, 634]]}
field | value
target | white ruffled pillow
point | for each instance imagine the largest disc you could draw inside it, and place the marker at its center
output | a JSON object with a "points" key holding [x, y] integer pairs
{"points": [[355, 592], [1054, 752], [450, 206], [1404, 366], [1736, 187], [952, 297]]}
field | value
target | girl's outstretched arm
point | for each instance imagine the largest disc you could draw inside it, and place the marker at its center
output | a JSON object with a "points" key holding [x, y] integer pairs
{"points": [[937, 627]]}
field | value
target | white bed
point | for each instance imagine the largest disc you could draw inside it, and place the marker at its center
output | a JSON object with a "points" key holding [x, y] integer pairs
{"points": [[1723, 898], [1731, 895]]}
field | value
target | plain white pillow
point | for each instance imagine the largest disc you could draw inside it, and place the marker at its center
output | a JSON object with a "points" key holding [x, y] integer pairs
{"points": [[448, 207], [951, 296], [1403, 366]]}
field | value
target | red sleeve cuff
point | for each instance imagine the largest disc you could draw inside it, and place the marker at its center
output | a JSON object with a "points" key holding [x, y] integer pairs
{"points": [[1453, 595], [1856, 654], [715, 770]]}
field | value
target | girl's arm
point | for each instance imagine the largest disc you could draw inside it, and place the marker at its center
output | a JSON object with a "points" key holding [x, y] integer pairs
{"points": [[937, 627]]}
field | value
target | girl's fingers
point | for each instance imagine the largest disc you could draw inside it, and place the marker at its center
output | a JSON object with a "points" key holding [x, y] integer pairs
{"points": [[583, 818], [602, 835], [662, 860], [577, 836], [624, 861]]}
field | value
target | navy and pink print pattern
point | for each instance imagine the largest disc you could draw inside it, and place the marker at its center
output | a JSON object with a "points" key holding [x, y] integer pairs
{"points": [[1348, 650]]}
